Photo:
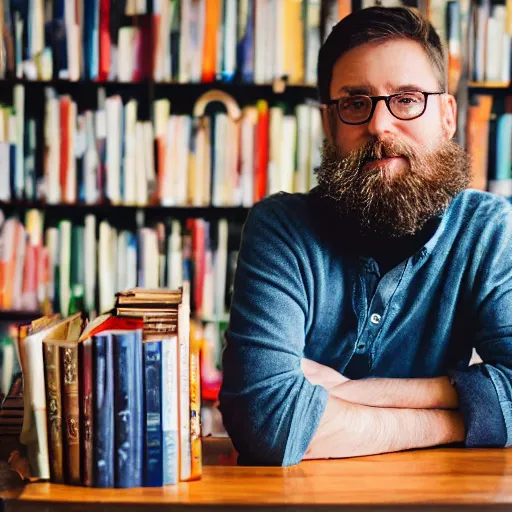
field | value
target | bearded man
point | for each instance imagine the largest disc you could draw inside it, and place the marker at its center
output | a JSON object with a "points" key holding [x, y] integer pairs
{"points": [[357, 306]]}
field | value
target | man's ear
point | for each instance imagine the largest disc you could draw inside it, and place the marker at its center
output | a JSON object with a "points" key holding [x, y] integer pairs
{"points": [[449, 113]]}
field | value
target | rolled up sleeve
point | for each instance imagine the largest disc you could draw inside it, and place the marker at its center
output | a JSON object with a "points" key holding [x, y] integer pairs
{"points": [[485, 389], [269, 409]]}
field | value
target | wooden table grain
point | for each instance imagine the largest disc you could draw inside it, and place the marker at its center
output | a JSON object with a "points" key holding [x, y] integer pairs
{"points": [[436, 479]]}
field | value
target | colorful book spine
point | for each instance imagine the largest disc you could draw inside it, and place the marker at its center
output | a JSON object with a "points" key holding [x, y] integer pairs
{"points": [[86, 400], [153, 471], [128, 417], [170, 423], [71, 414], [195, 410], [103, 411], [54, 410]]}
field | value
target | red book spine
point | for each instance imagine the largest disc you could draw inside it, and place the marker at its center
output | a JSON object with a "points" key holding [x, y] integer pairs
{"points": [[87, 412], [104, 65], [261, 153], [64, 145]]}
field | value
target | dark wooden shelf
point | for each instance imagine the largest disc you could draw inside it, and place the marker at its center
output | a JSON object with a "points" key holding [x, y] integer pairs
{"points": [[16, 317], [107, 210], [267, 88]]}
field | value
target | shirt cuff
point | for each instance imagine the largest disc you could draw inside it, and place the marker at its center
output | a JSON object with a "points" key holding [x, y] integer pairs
{"points": [[480, 407]]}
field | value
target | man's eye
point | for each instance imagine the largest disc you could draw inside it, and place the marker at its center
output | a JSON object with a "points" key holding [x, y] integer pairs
{"points": [[407, 100], [354, 105]]}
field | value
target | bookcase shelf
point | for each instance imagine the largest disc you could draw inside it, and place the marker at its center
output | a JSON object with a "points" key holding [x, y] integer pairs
{"points": [[17, 316], [264, 90], [236, 213]]}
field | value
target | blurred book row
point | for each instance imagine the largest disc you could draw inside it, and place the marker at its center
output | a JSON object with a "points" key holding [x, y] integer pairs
{"points": [[490, 143], [165, 40], [187, 41], [73, 267], [120, 405], [231, 157]]}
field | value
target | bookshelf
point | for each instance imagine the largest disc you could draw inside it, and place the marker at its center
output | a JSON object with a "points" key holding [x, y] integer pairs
{"points": [[122, 212], [13, 316]]}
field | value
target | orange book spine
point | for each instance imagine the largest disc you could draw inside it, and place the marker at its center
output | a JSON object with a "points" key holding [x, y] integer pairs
{"points": [[344, 8], [212, 19], [195, 410], [478, 140]]}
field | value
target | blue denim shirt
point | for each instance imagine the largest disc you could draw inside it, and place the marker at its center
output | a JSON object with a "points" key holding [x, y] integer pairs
{"points": [[302, 291]]}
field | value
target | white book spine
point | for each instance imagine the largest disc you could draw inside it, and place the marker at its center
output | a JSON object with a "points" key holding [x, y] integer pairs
{"points": [[70, 193], [166, 192], [184, 387], [248, 127], [183, 152], [64, 265], [52, 242], [90, 161], [175, 257], [90, 263], [35, 436], [19, 263], [19, 106], [105, 270], [230, 22], [221, 150], [220, 268], [170, 411], [131, 148], [113, 108], [149, 160], [185, 61]]}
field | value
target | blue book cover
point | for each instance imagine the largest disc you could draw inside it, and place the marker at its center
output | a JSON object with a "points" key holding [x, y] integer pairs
{"points": [[91, 38], [60, 49], [153, 476], [128, 408], [245, 44], [103, 411]]}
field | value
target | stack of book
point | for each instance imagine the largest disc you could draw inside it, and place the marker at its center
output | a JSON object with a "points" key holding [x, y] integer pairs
{"points": [[120, 406], [158, 309], [11, 409]]}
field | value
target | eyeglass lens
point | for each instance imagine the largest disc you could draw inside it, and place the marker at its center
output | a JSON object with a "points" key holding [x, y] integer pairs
{"points": [[357, 109]]}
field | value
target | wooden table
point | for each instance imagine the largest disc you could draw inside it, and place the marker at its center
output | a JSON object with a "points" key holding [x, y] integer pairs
{"points": [[440, 479]]}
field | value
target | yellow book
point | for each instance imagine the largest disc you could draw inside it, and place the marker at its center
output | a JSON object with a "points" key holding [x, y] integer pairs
{"points": [[195, 407]]}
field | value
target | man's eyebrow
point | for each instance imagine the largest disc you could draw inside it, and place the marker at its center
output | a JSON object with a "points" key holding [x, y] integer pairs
{"points": [[369, 89], [357, 89]]}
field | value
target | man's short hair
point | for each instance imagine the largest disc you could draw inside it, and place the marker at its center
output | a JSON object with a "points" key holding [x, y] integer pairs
{"points": [[373, 25]]}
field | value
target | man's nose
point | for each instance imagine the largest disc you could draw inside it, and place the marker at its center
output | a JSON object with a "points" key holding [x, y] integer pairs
{"points": [[382, 120]]}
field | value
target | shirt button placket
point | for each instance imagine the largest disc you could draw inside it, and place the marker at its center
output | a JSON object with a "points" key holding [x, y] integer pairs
{"points": [[375, 319]]}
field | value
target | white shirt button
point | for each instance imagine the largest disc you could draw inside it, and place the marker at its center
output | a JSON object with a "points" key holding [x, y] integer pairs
{"points": [[375, 318]]}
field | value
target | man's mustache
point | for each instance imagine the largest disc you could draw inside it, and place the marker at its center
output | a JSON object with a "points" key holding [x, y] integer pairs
{"points": [[381, 148]]}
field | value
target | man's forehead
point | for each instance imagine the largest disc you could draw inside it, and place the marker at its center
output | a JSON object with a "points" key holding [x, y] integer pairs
{"points": [[386, 68]]}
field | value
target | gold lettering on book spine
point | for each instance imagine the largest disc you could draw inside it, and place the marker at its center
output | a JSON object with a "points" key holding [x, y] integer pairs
{"points": [[69, 367]]}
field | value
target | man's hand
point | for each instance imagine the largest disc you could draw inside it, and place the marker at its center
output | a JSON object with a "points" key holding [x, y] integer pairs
{"points": [[319, 374]]}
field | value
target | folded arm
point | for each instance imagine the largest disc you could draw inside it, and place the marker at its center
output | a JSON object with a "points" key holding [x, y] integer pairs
{"points": [[434, 393], [349, 430]]}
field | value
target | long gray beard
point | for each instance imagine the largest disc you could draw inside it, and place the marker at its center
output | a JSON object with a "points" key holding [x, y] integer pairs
{"points": [[392, 206]]}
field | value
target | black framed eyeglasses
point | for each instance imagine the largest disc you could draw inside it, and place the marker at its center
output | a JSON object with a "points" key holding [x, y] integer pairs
{"points": [[359, 109]]}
